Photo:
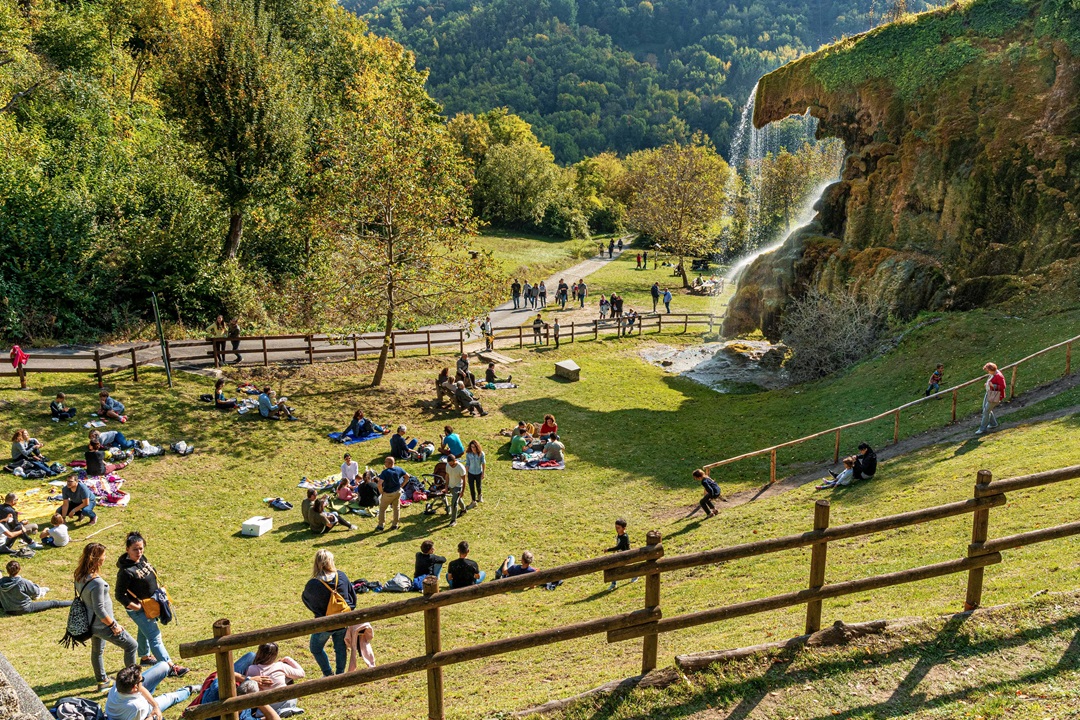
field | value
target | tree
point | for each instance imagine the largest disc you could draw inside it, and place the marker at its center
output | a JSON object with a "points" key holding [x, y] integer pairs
{"points": [[677, 197], [402, 206], [515, 183], [241, 98]]}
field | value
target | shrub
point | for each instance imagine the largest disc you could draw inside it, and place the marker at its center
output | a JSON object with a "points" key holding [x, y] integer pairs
{"points": [[830, 331]]}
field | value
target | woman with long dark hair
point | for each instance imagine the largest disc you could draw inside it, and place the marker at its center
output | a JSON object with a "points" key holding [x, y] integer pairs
{"points": [[476, 467], [94, 592], [136, 581]]}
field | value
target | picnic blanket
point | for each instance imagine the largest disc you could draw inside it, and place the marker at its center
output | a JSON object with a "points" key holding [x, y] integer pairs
{"points": [[327, 483], [502, 386], [35, 504], [350, 440], [536, 461], [107, 490]]}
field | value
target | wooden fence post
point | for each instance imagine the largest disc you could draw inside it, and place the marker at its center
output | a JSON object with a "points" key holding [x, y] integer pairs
{"points": [[571, 331], [772, 466], [266, 358], [817, 566], [97, 363], [595, 329], [954, 394], [547, 334], [461, 340], [651, 643], [225, 672], [896, 428], [1068, 358], [432, 645], [685, 322], [134, 366], [1012, 385], [428, 334], [979, 526], [310, 351], [521, 337], [659, 324], [355, 350], [836, 450], [393, 344], [710, 323]]}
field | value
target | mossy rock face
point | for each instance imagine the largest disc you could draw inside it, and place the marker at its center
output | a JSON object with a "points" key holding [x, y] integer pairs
{"points": [[963, 167]]}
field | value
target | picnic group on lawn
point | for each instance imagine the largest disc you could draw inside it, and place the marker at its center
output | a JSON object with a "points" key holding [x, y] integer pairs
{"points": [[144, 604]]}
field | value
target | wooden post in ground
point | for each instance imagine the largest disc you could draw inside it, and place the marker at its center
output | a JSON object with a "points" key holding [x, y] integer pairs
{"points": [[355, 350], [685, 322], [772, 466], [1068, 358], [428, 333], [310, 351], [896, 427], [659, 324], [225, 672], [817, 566], [571, 331], [1012, 386], [393, 344], [266, 357], [461, 340], [954, 394], [595, 329], [651, 643], [134, 366], [836, 450], [432, 645], [980, 523], [97, 363], [521, 337]]}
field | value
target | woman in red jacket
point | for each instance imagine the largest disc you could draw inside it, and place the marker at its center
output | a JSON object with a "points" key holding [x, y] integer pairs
{"points": [[995, 393]]}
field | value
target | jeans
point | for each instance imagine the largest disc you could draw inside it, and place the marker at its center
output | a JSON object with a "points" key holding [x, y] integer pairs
{"points": [[317, 645], [66, 414], [475, 490], [517, 302], [543, 299], [122, 442], [582, 298], [667, 304], [455, 503], [988, 414], [149, 636], [87, 511], [707, 505], [239, 667], [97, 650], [39, 605]]}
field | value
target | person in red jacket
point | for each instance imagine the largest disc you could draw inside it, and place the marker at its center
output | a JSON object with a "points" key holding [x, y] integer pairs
{"points": [[995, 393], [18, 361]]}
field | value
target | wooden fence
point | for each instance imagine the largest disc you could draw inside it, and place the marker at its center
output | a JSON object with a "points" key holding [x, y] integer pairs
{"points": [[310, 347], [647, 623], [896, 412]]}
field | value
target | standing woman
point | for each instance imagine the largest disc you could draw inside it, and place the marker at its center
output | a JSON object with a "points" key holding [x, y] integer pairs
{"points": [[995, 393], [475, 466], [136, 580], [18, 361], [326, 579], [234, 338], [94, 592]]}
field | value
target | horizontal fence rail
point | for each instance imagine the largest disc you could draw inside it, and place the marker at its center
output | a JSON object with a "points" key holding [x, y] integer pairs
{"points": [[650, 622], [895, 412]]}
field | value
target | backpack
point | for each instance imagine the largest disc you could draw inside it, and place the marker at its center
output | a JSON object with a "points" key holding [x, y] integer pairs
{"points": [[78, 629], [398, 583], [336, 604], [711, 487], [75, 708], [418, 583]]}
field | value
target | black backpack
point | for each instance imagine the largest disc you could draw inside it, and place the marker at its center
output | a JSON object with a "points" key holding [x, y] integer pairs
{"points": [[75, 708], [78, 629]]}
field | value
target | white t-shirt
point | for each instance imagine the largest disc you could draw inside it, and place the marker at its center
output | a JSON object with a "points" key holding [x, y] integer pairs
{"points": [[59, 535], [126, 706], [455, 474], [350, 470]]}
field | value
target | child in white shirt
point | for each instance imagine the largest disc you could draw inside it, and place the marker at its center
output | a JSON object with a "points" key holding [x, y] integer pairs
{"points": [[57, 535]]}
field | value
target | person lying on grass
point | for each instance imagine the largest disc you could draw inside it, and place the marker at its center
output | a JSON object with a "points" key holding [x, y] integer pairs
{"points": [[360, 426], [110, 407], [489, 375], [510, 569]]}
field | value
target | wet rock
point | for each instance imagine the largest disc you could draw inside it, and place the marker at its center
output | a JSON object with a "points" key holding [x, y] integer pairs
{"points": [[741, 366]]}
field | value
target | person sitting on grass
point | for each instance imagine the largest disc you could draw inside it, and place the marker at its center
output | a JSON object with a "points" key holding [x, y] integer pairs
{"points": [[463, 370], [712, 492], [11, 530], [132, 694], [282, 671], [466, 400], [273, 409], [843, 478], [427, 562], [510, 569], [220, 401], [322, 521], [78, 501], [403, 448], [95, 461], [550, 427], [521, 439], [489, 375], [27, 450], [57, 534], [451, 443], [361, 427], [19, 596], [554, 450], [464, 572], [444, 387], [110, 407], [345, 491], [59, 410]]}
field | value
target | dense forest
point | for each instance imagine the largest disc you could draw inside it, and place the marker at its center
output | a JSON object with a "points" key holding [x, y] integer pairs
{"points": [[612, 75]]}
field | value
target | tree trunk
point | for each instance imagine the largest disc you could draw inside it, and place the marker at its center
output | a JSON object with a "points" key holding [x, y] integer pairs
{"points": [[388, 331], [682, 271], [232, 240]]}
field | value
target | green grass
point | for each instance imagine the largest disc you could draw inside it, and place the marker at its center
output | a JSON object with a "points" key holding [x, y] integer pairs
{"points": [[523, 255], [633, 435]]}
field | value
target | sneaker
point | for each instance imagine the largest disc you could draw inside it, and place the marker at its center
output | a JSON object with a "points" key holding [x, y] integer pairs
{"points": [[611, 586], [178, 671], [193, 690], [123, 418], [483, 414], [633, 579], [978, 432], [104, 685], [509, 378], [36, 546], [480, 499], [93, 521], [834, 474], [395, 526], [148, 660], [471, 505], [453, 524]]}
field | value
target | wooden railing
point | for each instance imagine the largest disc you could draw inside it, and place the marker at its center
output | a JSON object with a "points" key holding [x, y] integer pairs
{"points": [[309, 347], [648, 623], [895, 412]]}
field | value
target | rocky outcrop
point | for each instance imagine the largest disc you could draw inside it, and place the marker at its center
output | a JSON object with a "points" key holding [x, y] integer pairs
{"points": [[962, 183]]}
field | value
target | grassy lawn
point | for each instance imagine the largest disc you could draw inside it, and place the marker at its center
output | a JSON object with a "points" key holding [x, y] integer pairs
{"points": [[532, 256], [633, 434]]}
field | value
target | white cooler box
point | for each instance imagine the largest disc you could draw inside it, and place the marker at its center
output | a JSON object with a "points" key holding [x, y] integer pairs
{"points": [[256, 526]]}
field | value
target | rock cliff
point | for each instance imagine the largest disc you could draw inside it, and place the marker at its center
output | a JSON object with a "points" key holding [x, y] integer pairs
{"points": [[962, 182]]}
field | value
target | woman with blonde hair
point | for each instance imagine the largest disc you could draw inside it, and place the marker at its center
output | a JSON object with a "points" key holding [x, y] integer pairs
{"points": [[94, 592], [328, 592], [995, 393]]}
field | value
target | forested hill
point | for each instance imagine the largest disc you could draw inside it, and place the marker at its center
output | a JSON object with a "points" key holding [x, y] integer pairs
{"points": [[596, 75]]}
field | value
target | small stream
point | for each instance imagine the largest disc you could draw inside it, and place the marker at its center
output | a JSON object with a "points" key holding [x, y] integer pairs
{"points": [[737, 366]]}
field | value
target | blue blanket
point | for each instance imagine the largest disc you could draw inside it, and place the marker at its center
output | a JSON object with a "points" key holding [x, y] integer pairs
{"points": [[350, 440]]}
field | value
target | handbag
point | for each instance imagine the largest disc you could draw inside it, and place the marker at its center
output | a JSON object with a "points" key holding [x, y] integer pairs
{"points": [[150, 607], [336, 605]]}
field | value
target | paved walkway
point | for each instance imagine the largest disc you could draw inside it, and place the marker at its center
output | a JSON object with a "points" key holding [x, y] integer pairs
{"points": [[82, 356]]}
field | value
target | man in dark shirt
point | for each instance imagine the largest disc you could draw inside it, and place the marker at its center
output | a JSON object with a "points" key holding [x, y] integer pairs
{"points": [[655, 292], [400, 447], [515, 293], [464, 572], [8, 509], [390, 481], [510, 569], [622, 544], [427, 562]]}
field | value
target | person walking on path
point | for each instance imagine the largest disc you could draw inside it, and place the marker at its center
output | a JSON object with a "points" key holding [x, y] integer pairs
{"points": [[542, 291], [136, 583], [667, 300], [528, 294], [620, 245], [537, 325], [611, 249], [18, 361], [560, 294], [515, 293], [655, 292], [94, 592], [582, 291], [995, 394], [639, 261], [712, 492]]}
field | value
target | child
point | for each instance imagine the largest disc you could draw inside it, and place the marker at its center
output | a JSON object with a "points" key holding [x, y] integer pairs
{"points": [[844, 478], [935, 380], [280, 672], [57, 535], [60, 411], [622, 544], [712, 492], [111, 407]]}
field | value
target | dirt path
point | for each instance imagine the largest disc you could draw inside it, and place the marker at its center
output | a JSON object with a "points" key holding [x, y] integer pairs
{"points": [[963, 430]]}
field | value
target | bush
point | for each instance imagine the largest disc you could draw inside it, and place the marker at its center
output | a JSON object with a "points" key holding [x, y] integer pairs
{"points": [[830, 331]]}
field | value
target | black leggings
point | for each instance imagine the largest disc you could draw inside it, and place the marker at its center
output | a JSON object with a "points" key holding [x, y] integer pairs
{"points": [[66, 414], [475, 490], [707, 505]]}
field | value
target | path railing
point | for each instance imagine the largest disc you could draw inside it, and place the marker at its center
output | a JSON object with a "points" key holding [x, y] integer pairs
{"points": [[647, 623], [310, 347], [895, 413]]}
